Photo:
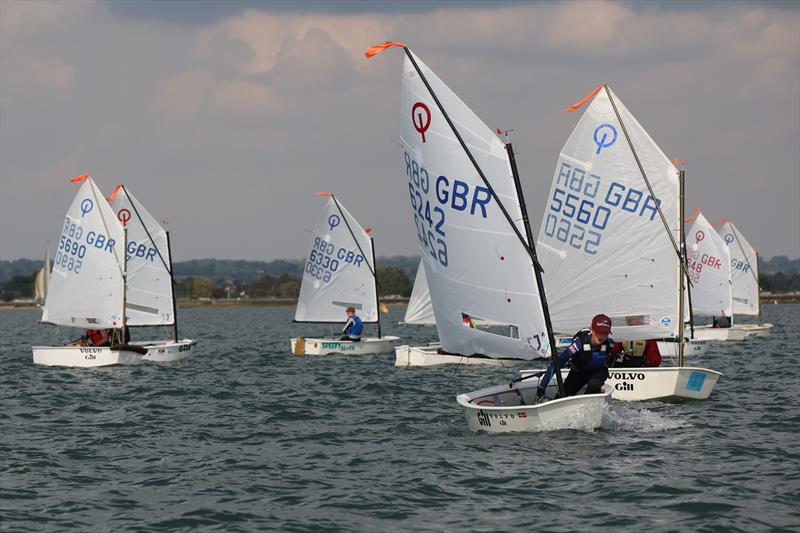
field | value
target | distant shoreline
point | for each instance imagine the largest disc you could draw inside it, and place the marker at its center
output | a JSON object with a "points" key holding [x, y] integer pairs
{"points": [[192, 304]]}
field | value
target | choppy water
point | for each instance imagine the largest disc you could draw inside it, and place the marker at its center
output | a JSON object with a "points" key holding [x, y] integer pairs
{"points": [[244, 436]]}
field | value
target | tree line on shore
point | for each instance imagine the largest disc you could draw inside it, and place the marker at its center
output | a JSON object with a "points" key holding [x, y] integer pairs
{"points": [[223, 278]]}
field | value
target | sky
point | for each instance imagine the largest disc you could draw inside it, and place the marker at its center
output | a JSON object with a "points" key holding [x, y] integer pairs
{"points": [[224, 118]]}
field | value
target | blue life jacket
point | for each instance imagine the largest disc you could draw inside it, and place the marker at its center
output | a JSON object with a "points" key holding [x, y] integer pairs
{"points": [[586, 358], [355, 327]]}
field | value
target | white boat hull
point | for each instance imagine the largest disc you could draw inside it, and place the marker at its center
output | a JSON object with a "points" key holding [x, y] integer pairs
{"points": [[690, 347], [498, 409], [321, 346], [639, 384], [707, 333], [168, 351], [429, 355], [83, 356], [756, 330]]}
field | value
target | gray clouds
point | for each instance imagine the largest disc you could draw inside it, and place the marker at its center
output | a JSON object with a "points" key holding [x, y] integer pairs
{"points": [[225, 125]]}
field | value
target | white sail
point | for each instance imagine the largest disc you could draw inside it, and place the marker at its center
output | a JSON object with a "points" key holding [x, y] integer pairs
{"points": [[338, 271], [420, 307], [149, 298], [709, 266], [475, 264], [42, 281], [86, 285], [744, 269], [602, 243]]}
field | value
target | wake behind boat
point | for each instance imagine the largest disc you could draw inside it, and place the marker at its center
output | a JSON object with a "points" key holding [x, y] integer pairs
{"points": [[339, 274]]}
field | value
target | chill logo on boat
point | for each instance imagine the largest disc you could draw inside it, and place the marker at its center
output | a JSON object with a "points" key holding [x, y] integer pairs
{"points": [[581, 206], [625, 379], [666, 322]]}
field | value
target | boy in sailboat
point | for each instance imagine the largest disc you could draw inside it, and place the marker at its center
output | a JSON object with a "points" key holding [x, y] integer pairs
{"points": [[353, 327], [588, 356]]}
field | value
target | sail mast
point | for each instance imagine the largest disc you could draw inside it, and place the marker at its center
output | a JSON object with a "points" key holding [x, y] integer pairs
{"points": [[172, 291], [685, 254], [124, 285], [682, 176], [537, 273], [375, 277]]}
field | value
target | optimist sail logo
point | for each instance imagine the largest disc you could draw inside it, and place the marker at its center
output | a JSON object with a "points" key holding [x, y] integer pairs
{"points": [[605, 135], [421, 118]]}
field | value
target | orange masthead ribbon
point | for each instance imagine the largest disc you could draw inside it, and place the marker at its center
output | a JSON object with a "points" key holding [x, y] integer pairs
{"points": [[696, 212], [323, 194], [78, 179], [378, 48], [586, 98], [115, 193]]}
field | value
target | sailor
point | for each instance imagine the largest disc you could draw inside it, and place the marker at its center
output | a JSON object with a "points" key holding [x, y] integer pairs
{"points": [[353, 326], [637, 354], [96, 337], [589, 356]]}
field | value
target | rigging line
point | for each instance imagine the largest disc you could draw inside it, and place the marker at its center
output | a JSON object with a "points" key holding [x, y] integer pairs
{"points": [[647, 182], [123, 272], [455, 371], [130, 201], [372, 271], [474, 163]]}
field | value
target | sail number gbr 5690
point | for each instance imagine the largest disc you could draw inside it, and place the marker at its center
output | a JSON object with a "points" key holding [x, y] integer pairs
{"points": [[429, 218], [73, 243]]}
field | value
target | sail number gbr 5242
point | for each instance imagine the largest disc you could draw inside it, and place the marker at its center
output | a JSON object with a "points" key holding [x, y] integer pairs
{"points": [[429, 218]]}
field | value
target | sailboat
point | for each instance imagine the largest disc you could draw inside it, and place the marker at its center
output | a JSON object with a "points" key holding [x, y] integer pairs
{"points": [[41, 281], [709, 267], [150, 285], [420, 312], [339, 273], [87, 285], [610, 243], [472, 230], [744, 274]]}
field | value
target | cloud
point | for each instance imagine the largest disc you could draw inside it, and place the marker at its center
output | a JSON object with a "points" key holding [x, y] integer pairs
{"points": [[228, 123]]}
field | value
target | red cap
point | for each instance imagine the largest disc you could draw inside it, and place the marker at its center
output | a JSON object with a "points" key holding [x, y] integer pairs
{"points": [[601, 324]]}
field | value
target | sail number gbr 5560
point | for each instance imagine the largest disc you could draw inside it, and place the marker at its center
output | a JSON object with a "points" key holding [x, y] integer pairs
{"points": [[429, 218]]}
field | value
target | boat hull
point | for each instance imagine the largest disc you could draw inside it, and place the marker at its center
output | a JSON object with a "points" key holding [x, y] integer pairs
{"points": [[668, 348], [322, 346], [84, 356], [707, 333], [756, 330], [661, 383], [168, 351], [498, 409], [406, 355]]}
